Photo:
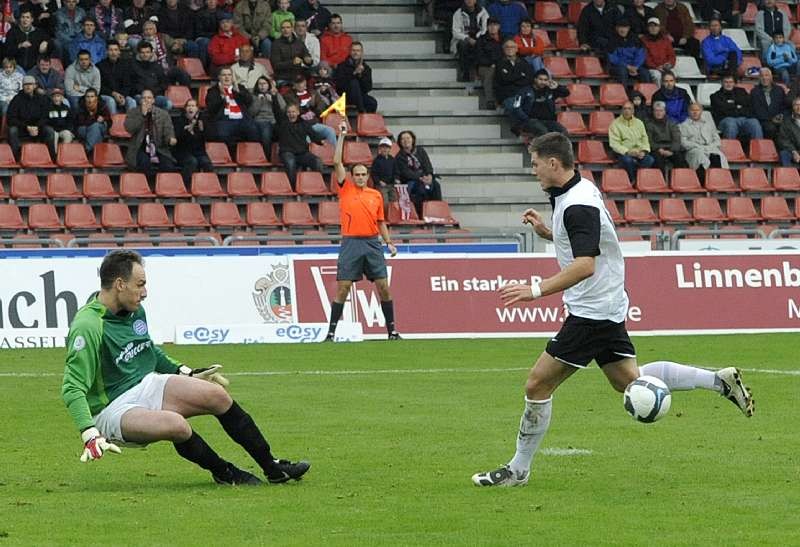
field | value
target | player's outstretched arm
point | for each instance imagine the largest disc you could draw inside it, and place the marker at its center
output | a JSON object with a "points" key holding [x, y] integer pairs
{"points": [[338, 166], [580, 269], [532, 217], [95, 445]]}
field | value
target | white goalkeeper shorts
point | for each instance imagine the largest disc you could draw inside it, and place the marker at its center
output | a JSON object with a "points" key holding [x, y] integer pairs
{"points": [[149, 394]]}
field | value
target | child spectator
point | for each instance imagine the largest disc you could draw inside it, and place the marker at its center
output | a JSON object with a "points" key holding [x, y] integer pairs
{"points": [[383, 173], [782, 58], [279, 16]]}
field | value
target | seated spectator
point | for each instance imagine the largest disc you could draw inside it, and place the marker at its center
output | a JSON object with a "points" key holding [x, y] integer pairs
{"points": [[24, 42], [176, 20], [246, 71], [266, 100], [126, 49], [413, 168], [640, 108], [316, 16], [190, 150], [528, 47], [149, 74], [138, 12], [80, 76], [665, 139], [92, 120], [512, 77], [768, 102], [730, 107], [490, 52], [116, 80], [782, 58], [227, 111], [289, 57], [728, 11], [206, 26], [47, 78], [68, 24], [43, 15], [354, 77], [152, 133], [626, 55], [628, 139], [700, 139], [223, 46], [639, 14], [311, 106], [109, 19], [659, 53], [279, 16], [254, 21], [382, 171], [770, 20], [510, 14], [165, 48], [293, 137], [325, 84], [677, 21], [10, 83], [311, 42], [60, 118], [468, 24], [596, 25], [676, 98], [788, 141], [536, 114], [721, 54], [88, 40], [335, 43], [27, 118]]}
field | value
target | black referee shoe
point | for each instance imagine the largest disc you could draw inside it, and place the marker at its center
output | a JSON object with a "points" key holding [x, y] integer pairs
{"points": [[284, 471], [329, 338], [235, 477], [394, 335]]}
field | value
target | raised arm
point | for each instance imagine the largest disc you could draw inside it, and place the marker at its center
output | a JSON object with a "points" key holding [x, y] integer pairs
{"points": [[338, 166]]}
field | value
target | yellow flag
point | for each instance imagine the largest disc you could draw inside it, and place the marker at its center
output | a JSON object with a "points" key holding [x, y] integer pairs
{"points": [[338, 106]]}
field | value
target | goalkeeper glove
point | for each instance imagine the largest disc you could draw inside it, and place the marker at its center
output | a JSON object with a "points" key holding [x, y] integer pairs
{"points": [[94, 445], [208, 374]]}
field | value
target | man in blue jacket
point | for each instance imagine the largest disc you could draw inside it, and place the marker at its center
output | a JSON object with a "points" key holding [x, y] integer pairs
{"points": [[90, 41], [721, 54], [675, 98], [626, 55], [510, 14]]}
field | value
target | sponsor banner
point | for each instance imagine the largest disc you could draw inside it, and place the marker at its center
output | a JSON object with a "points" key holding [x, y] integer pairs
{"points": [[32, 338], [282, 333], [669, 292]]}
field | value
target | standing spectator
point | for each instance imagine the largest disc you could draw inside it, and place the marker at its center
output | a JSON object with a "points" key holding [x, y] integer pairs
{"points": [[596, 25], [383, 173], [770, 20], [334, 42], [728, 11], [469, 24], [10, 83], [782, 58], [25, 43], [88, 40], [293, 136], [490, 53], [68, 24], [116, 80], [639, 14], [512, 76], [92, 120], [223, 46], [413, 168], [190, 150], [676, 98], [164, 50], [528, 47], [788, 140], [768, 101], [311, 42], [109, 19], [138, 12], [660, 55], [537, 112], [279, 16], [206, 26], [266, 101], [152, 133], [721, 54], [80, 76], [626, 55], [510, 13], [47, 78], [149, 74], [316, 16], [60, 118], [732, 112], [311, 106], [628, 139], [253, 18], [289, 57], [700, 139], [27, 118], [227, 107], [354, 77], [677, 21], [665, 139], [246, 71]]}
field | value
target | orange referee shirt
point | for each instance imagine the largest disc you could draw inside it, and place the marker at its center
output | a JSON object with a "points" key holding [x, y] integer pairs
{"points": [[360, 209]]}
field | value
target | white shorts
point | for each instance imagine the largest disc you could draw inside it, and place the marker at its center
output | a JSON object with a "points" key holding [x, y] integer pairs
{"points": [[149, 394]]}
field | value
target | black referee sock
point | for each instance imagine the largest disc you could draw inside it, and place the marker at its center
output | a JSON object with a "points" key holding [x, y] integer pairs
{"points": [[241, 428], [387, 306], [336, 313], [196, 450]]}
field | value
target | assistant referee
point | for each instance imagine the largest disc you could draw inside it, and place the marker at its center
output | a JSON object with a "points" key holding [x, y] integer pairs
{"points": [[361, 253]]}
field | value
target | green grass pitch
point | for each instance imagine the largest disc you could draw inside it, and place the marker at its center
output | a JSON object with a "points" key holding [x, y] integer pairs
{"points": [[395, 430]]}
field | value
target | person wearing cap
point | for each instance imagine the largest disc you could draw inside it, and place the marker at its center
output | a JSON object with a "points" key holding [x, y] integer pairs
{"points": [[537, 112], [639, 14], [47, 77], [469, 24], [109, 19], [678, 24], [246, 71], [769, 20], [138, 12], [596, 25], [733, 112], [626, 55], [80, 76], [781, 57], [659, 53], [88, 40], [383, 173], [224, 46], [26, 43], [311, 41], [354, 77], [490, 53], [61, 118], [335, 43], [27, 118], [289, 56], [510, 14], [665, 139], [627, 137], [253, 18], [721, 54]]}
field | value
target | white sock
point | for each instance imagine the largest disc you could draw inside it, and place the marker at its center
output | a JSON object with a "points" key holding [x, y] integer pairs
{"points": [[681, 377], [532, 427]]}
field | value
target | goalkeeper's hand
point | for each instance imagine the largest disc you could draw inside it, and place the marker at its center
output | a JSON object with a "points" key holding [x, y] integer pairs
{"points": [[95, 445], [208, 374]]}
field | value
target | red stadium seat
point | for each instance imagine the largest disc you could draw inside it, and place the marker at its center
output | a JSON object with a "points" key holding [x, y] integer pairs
{"points": [[43, 216], [742, 210], [438, 212], [567, 39], [275, 155], [334, 119], [589, 67], [548, 13], [371, 125], [580, 95], [613, 95], [297, 213], [646, 89], [356, 152], [262, 214], [395, 216], [116, 216], [775, 208], [613, 210], [720, 180], [153, 216], [135, 186], [573, 123], [276, 183], [631, 233], [225, 213], [194, 68], [311, 183], [797, 207], [593, 152], [118, 130], [189, 215], [80, 216], [251, 154], [219, 155], [202, 93], [178, 95], [3, 194], [588, 175], [763, 151], [72, 156], [639, 211], [733, 150], [323, 238], [201, 239], [35, 155], [329, 214], [651, 181], [708, 210], [616, 181], [107, 155], [786, 179], [794, 37], [754, 179], [599, 121], [558, 67], [206, 185], [685, 181], [61, 186], [170, 185], [97, 186], [7, 160], [241, 184], [673, 211], [541, 37], [574, 11], [323, 152], [26, 186], [11, 218]]}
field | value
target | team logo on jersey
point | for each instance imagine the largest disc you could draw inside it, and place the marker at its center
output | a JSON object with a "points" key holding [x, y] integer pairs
{"points": [[273, 295], [79, 343], [140, 327]]}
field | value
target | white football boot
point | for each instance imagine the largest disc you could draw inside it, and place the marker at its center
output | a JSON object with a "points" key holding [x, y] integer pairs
{"points": [[735, 391], [503, 476]]}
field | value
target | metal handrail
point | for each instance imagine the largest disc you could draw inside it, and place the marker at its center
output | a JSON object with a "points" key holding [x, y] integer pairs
{"points": [[47, 240], [778, 233], [75, 242], [258, 238], [713, 232]]}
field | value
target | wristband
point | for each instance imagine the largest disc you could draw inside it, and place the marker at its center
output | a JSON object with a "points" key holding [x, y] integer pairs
{"points": [[536, 290]]}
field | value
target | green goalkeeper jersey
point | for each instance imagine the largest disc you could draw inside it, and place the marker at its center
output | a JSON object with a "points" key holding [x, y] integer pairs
{"points": [[107, 354]]}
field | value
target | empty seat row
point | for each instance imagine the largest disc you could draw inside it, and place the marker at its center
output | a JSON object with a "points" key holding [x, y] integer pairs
{"points": [[704, 209], [761, 151]]}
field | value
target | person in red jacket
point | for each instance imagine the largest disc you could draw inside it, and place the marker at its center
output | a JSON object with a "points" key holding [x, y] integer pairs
{"points": [[334, 42], [223, 49], [660, 55], [528, 47]]}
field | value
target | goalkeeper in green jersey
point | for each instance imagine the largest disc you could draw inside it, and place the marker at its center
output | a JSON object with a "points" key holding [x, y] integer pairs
{"points": [[118, 386]]}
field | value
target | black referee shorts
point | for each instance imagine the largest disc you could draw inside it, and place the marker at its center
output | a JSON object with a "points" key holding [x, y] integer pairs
{"points": [[581, 340], [361, 257]]}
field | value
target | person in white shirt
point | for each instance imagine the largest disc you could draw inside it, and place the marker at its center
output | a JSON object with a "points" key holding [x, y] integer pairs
{"points": [[311, 41]]}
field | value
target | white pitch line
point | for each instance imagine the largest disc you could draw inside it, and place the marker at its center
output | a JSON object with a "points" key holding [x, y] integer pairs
{"points": [[554, 451]]}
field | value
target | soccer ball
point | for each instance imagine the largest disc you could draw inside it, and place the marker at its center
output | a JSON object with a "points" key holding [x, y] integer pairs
{"points": [[647, 399]]}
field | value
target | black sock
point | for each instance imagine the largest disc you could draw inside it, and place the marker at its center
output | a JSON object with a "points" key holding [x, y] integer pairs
{"points": [[387, 306], [241, 428], [196, 450], [336, 314]]}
